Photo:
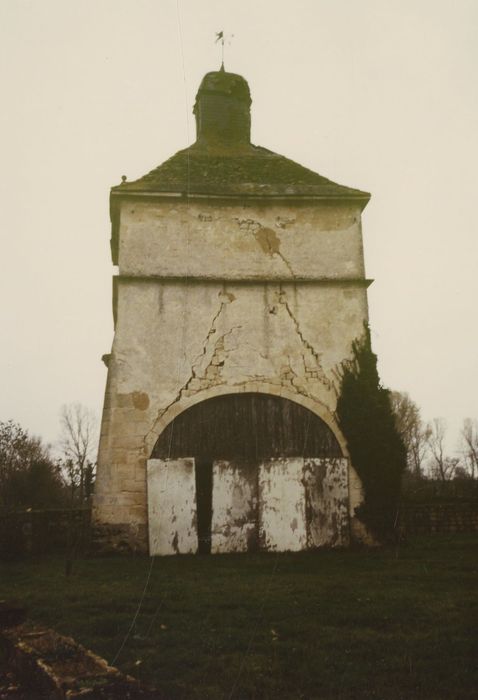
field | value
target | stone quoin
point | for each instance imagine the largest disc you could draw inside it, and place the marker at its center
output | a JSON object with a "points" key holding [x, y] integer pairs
{"points": [[240, 289]]}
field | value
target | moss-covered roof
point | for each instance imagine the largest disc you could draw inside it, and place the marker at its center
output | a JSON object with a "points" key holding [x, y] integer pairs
{"points": [[250, 170], [223, 161]]}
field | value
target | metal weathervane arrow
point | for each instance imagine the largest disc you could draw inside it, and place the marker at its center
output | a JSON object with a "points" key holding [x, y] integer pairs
{"points": [[220, 36]]}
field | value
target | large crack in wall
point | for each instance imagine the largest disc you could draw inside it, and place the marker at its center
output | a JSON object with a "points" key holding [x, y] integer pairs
{"points": [[211, 374], [318, 371], [267, 238], [206, 377]]}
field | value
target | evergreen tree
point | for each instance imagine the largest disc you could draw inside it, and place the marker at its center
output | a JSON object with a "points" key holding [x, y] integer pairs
{"points": [[365, 415]]}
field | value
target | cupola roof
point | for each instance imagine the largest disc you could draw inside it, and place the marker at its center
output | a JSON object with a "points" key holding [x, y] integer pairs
{"points": [[223, 162]]}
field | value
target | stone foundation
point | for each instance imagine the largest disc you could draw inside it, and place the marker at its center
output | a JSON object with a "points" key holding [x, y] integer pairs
{"points": [[123, 538]]}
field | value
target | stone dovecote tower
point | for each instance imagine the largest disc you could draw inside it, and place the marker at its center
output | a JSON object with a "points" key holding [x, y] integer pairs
{"points": [[240, 288]]}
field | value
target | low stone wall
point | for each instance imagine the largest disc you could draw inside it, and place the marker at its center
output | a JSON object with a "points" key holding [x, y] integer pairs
{"points": [[123, 538], [70, 531], [36, 532], [439, 517]]}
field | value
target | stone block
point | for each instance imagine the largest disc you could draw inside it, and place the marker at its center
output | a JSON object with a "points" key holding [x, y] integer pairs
{"points": [[130, 485], [138, 513]]}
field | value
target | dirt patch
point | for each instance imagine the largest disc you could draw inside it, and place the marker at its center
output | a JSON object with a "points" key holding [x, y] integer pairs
{"points": [[40, 663]]}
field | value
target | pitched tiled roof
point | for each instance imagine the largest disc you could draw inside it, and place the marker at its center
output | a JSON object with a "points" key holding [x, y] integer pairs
{"points": [[248, 170]]}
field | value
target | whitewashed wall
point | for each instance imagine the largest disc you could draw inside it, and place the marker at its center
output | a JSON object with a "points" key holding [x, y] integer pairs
{"points": [[172, 506], [281, 505], [234, 507], [326, 493], [282, 525], [214, 298]]}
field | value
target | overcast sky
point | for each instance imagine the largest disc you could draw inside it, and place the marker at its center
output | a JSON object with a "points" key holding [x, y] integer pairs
{"points": [[381, 95]]}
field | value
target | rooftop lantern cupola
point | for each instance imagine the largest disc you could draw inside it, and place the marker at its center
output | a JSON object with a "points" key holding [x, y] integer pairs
{"points": [[222, 110]]}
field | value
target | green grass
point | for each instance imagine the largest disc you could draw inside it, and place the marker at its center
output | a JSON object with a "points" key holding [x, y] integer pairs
{"points": [[329, 624]]}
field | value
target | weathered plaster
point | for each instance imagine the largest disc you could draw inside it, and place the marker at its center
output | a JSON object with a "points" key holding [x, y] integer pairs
{"points": [[241, 241], [327, 496], [280, 505], [289, 302], [172, 507], [202, 335], [282, 515], [234, 507]]}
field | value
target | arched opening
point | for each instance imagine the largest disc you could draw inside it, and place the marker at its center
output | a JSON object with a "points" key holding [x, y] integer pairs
{"points": [[241, 458], [247, 426]]}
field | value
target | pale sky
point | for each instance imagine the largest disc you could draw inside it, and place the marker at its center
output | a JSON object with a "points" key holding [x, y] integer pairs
{"points": [[381, 95]]}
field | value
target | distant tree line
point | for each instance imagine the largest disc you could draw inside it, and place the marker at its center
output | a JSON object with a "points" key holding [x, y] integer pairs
{"points": [[425, 443], [34, 475]]}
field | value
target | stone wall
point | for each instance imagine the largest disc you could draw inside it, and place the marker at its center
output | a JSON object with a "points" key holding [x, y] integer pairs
{"points": [[217, 297], [439, 517], [211, 239], [42, 531]]}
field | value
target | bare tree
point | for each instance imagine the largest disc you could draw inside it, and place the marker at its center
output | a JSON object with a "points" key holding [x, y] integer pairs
{"points": [[412, 429], [78, 441], [469, 445], [442, 465]]}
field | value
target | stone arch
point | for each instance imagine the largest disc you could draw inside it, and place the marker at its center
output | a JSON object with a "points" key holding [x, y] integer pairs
{"points": [[246, 426], [244, 470], [186, 402]]}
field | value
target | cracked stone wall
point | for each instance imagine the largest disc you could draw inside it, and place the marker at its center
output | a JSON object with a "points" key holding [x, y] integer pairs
{"points": [[215, 299], [214, 240]]}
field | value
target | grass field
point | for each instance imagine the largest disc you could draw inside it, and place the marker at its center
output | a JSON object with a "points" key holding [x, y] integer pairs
{"points": [[391, 623]]}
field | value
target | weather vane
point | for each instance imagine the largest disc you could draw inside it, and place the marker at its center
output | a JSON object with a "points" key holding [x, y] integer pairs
{"points": [[220, 36]]}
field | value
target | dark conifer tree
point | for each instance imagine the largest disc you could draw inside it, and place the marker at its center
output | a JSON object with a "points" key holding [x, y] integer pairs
{"points": [[376, 449]]}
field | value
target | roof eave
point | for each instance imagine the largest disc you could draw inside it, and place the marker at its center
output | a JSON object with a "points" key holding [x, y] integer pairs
{"points": [[357, 195]]}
